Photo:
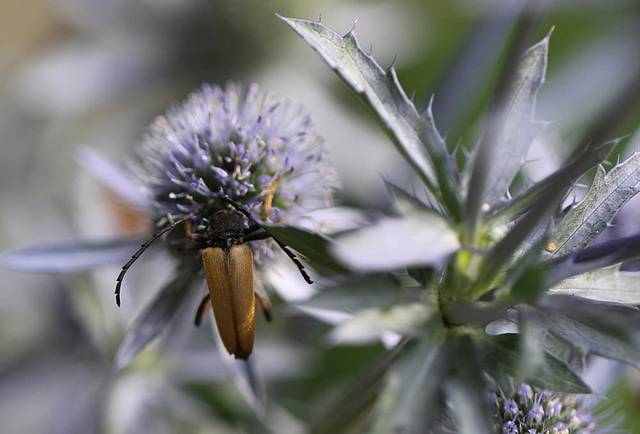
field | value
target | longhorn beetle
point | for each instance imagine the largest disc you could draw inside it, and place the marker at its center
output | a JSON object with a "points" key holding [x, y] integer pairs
{"points": [[228, 267]]}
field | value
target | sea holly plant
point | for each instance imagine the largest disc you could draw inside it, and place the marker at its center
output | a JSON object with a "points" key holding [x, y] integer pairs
{"points": [[432, 279], [431, 276]]}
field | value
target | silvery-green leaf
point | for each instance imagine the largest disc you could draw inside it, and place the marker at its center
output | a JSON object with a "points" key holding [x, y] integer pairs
{"points": [[607, 329], [607, 284], [561, 179], [157, 314], [412, 398], [71, 256], [607, 194], [394, 242], [414, 135], [111, 176], [516, 127], [368, 326]]}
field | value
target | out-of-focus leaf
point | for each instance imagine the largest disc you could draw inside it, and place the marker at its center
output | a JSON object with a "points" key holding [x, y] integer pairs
{"points": [[532, 353], [313, 245], [500, 357], [412, 398], [592, 258], [607, 284], [111, 176], [404, 201], [70, 257], [467, 391], [368, 326], [346, 411], [607, 194], [365, 292], [562, 179], [516, 127], [607, 329], [415, 136], [157, 314], [245, 375], [395, 242]]}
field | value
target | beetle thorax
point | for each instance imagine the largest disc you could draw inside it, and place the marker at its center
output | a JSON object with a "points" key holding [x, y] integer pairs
{"points": [[226, 228]]}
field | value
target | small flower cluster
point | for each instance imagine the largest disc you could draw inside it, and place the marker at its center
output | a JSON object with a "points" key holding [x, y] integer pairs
{"points": [[530, 411], [259, 150]]}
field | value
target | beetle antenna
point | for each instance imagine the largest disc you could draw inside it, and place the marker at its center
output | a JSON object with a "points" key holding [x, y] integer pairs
{"points": [[283, 246], [144, 246]]}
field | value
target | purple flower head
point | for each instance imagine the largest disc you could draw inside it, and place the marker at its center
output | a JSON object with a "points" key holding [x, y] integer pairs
{"points": [[260, 150], [533, 410]]}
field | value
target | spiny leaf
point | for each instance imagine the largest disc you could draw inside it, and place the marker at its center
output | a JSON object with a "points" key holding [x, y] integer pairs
{"points": [[562, 179], [516, 125], [606, 196], [414, 135]]}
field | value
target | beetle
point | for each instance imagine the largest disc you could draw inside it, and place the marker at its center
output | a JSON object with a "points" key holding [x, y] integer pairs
{"points": [[228, 267]]}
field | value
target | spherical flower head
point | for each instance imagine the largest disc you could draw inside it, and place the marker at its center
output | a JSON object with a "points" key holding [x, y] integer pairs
{"points": [[533, 411], [260, 150]]}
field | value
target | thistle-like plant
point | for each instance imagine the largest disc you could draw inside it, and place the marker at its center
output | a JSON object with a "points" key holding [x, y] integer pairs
{"points": [[436, 273]]}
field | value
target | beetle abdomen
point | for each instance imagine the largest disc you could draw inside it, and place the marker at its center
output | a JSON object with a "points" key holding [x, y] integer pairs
{"points": [[230, 280]]}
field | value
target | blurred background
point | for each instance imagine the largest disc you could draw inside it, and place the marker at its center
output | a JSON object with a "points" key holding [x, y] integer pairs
{"points": [[89, 73]]}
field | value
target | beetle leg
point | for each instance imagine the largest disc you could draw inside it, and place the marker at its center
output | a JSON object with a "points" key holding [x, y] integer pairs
{"points": [[203, 309], [264, 304]]}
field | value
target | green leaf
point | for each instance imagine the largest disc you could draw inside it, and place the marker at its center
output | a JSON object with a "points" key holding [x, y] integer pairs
{"points": [[391, 243], [606, 196], [157, 314], [607, 284], [414, 135], [500, 357], [412, 398], [70, 257], [606, 329], [315, 246]]}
